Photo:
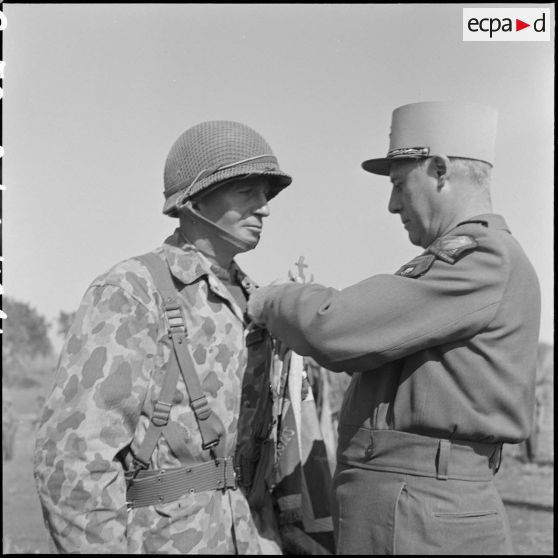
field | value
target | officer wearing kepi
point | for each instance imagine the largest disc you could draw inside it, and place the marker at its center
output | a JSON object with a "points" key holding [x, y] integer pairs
{"points": [[442, 352], [157, 435]]}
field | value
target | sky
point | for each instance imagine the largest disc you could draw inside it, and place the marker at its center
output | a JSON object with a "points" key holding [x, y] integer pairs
{"points": [[94, 95]]}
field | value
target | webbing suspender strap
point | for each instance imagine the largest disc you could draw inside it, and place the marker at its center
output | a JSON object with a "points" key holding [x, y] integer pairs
{"points": [[159, 418], [180, 360]]}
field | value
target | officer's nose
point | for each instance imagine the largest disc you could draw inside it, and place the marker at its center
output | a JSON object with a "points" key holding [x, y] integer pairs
{"points": [[394, 205]]}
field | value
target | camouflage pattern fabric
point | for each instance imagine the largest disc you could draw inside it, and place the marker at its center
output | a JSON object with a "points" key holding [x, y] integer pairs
{"points": [[109, 375]]}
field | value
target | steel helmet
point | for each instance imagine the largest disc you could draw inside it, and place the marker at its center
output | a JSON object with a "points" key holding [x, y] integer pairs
{"points": [[215, 151]]}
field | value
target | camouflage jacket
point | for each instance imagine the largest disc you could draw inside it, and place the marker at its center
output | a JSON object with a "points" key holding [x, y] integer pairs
{"points": [[109, 374]]}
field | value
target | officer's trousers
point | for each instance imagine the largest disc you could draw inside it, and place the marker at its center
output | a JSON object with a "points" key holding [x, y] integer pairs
{"points": [[393, 512]]}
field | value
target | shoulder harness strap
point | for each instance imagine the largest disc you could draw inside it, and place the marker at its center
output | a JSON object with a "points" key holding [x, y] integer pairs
{"points": [[180, 360]]}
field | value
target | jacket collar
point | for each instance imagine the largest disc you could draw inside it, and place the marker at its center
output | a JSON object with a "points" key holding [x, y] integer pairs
{"points": [[185, 262], [188, 265], [492, 220]]}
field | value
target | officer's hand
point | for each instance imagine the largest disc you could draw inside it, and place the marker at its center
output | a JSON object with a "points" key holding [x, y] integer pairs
{"points": [[256, 304], [280, 281], [257, 300]]}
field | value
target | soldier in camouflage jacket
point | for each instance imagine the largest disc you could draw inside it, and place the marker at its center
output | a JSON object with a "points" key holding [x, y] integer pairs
{"points": [[218, 178]]}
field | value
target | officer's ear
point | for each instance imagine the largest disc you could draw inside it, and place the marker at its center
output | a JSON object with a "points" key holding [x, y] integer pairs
{"points": [[440, 166]]}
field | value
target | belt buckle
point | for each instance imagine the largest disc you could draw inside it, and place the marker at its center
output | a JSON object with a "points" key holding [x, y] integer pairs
{"points": [[237, 476], [229, 474]]}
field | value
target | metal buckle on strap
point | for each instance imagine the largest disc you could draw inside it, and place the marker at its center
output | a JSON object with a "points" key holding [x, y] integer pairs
{"points": [[161, 413], [229, 474], [237, 475], [175, 319], [201, 407], [172, 307], [211, 444], [137, 466]]}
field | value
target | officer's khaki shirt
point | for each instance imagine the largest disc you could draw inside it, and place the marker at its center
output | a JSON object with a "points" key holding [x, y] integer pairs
{"points": [[450, 352]]}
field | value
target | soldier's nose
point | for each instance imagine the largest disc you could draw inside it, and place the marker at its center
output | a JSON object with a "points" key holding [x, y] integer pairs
{"points": [[263, 210]]}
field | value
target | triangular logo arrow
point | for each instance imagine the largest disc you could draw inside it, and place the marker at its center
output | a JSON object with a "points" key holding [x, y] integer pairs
{"points": [[519, 25]]}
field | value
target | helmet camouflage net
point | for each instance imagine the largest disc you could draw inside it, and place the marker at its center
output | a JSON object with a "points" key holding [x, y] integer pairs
{"points": [[213, 152]]}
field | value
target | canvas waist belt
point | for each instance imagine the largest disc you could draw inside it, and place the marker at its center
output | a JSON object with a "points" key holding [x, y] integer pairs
{"points": [[159, 486], [402, 452]]}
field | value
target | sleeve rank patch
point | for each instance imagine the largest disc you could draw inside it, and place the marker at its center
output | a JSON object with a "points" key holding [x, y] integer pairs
{"points": [[450, 248], [417, 267]]}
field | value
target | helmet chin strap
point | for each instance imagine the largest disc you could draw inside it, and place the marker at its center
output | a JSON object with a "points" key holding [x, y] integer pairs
{"points": [[196, 217]]}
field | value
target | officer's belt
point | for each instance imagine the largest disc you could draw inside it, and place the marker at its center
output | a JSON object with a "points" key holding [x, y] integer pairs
{"points": [[414, 454], [153, 487]]}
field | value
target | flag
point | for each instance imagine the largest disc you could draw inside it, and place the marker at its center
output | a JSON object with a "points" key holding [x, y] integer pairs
{"points": [[303, 481]]}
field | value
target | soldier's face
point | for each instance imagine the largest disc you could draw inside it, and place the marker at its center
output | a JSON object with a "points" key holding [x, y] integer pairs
{"points": [[239, 207], [415, 196]]}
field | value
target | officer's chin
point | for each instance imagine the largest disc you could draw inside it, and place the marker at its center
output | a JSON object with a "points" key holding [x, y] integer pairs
{"points": [[414, 239]]}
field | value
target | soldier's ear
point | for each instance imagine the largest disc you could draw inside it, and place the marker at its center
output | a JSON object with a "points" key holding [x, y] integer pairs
{"points": [[440, 165]]}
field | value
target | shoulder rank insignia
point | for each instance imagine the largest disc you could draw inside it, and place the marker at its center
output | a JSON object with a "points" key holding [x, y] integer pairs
{"points": [[449, 248], [417, 267]]}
